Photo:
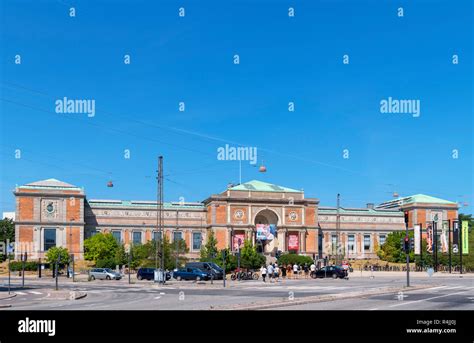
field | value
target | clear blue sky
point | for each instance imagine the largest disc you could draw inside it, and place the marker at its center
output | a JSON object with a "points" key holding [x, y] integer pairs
{"points": [[283, 59]]}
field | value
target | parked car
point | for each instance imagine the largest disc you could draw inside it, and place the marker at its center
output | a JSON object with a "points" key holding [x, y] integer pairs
{"points": [[149, 274], [104, 274], [330, 271], [191, 274], [210, 267]]}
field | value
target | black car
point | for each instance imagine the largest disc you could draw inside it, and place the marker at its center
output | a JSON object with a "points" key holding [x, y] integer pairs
{"points": [[330, 271], [149, 274], [209, 267], [191, 274]]}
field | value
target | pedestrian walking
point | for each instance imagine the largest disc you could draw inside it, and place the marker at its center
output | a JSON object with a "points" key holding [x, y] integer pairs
{"points": [[283, 272], [312, 269], [295, 270], [270, 270], [306, 270], [289, 269], [276, 272], [263, 272]]}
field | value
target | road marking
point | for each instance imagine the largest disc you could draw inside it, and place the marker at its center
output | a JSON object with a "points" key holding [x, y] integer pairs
{"points": [[157, 297], [20, 293], [439, 296], [34, 292]]}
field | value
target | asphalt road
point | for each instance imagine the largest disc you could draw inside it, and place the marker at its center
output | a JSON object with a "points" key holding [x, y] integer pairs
{"points": [[444, 293]]}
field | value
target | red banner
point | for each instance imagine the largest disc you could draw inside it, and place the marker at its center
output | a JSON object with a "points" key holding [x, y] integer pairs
{"points": [[293, 241]]}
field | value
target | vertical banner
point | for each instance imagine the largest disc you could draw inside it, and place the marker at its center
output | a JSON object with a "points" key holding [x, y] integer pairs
{"points": [[465, 237], [429, 237], [293, 241], [417, 238], [238, 236], [444, 236], [455, 237]]}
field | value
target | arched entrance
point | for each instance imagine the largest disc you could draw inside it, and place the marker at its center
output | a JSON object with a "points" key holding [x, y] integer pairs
{"points": [[266, 218]]}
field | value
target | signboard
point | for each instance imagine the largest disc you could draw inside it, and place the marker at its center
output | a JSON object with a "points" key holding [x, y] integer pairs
{"points": [[266, 232], [465, 237], [444, 237], [429, 238], [455, 237], [238, 236], [293, 241], [417, 231]]}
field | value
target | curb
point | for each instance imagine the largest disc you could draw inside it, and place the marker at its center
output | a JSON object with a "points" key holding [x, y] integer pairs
{"points": [[317, 299], [5, 306], [71, 296], [9, 297]]}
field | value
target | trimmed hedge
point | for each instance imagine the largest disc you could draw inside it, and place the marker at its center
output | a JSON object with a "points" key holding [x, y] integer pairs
{"points": [[106, 263], [16, 266], [294, 258]]}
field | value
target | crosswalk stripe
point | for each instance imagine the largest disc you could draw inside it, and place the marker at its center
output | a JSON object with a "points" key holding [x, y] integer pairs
{"points": [[34, 292], [20, 293]]}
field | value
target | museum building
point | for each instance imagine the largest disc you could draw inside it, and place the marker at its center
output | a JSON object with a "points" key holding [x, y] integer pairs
{"points": [[54, 213]]}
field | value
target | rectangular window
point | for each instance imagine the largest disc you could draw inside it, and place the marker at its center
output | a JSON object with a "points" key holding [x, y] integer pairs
{"points": [[197, 240], [334, 243], [49, 239], [137, 237], [177, 236], [156, 235], [367, 243], [118, 236], [382, 239], [350, 243]]}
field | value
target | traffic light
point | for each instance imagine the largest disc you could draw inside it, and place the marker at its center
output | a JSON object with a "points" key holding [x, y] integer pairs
{"points": [[407, 244], [412, 244], [402, 244]]}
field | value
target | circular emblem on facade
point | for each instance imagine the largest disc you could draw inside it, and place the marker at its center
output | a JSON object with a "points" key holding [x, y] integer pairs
{"points": [[50, 207], [293, 216], [238, 214]]}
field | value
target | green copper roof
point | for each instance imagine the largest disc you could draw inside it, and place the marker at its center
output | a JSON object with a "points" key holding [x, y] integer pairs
{"points": [[260, 186], [149, 204], [50, 184], [360, 211], [418, 198]]}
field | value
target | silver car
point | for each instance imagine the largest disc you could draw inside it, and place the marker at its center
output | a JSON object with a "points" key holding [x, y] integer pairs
{"points": [[104, 274]]}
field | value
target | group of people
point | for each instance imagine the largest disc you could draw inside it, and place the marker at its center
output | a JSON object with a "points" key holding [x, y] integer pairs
{"points": [[273, 271]]}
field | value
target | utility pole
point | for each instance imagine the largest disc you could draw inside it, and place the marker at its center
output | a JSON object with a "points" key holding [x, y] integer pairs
{"points": [[435, 236], [407, 248], [449, 245], [9, 272], [223, 263], [159, 215], [24, 258], [460, 244], [338, 219], [57, 270]]}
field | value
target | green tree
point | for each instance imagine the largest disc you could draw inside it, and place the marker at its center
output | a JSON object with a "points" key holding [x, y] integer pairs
{"points": [[100, 247], [7, 233], [292, 258], [7, 230], [53, 253], [144, 255], [392, 250], [209, 250], [249, 257]]}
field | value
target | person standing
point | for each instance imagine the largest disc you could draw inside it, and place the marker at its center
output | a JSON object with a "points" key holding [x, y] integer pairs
{"points": [[263, 272], [306, 270]]}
